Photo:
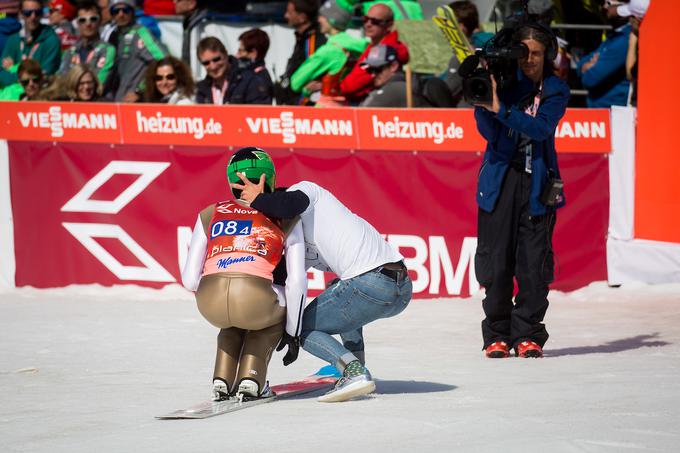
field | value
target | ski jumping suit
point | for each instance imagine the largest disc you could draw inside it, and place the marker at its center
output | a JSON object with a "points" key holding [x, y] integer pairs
{"points": [[234, 251]]}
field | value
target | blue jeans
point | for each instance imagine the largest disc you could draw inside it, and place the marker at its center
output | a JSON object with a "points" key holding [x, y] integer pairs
{"points": [[344, 308]]}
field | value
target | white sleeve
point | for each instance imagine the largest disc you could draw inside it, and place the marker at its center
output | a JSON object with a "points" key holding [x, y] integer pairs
{"points": [[193, 267], [296, 283]]}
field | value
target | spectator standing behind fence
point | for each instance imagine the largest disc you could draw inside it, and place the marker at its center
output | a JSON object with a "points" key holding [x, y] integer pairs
{"points": [[81, 84], [302, 16], [251, 83], [137, 48], [320, 74], [61, 13], [90, 50], [468, 17], [635, 11], [378, 23], [30, 81], [193, 13], [603, 72], [389, 80], [213, 56], [169, 81], [9, 21], [37, 42]]}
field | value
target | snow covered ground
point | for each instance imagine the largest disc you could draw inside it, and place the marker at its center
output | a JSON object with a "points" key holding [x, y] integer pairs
{"points": [[86, 369]]}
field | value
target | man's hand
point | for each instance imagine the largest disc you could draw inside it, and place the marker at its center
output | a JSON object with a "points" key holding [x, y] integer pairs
{"points": [[590, 63], [495, 105], [131, 97], [313, 86], [249, 191], [293, 344]]}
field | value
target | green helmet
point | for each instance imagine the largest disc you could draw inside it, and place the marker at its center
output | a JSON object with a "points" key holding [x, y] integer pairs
{"points": [[252, 162]]}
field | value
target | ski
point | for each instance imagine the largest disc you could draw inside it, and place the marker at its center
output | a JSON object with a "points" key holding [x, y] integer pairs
{"points": [[323, 379], [448, 24]]}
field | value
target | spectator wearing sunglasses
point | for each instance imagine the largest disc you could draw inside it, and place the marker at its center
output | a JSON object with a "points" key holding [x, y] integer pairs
{"points": [[318, 78], [90, 50], [218, 65], [9, 21], [61, 13], [389, 81], [137, 49], [169, 81], [378, 23], [31, 80], [37, 42]]}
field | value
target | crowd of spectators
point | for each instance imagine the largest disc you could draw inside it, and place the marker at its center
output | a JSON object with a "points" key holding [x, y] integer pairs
{"points": [[110, 50]]}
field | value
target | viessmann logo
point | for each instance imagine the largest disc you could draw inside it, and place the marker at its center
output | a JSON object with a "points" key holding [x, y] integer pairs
{"points": [[290, 127], [58, 121]]}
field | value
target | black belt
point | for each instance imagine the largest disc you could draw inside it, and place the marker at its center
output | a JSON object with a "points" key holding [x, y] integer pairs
{"points": [[395, 271]]}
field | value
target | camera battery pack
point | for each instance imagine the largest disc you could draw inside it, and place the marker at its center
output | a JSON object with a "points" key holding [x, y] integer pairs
{"points": [[552, 192]]}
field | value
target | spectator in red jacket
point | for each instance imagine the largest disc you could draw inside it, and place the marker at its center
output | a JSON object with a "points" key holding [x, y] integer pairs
{"points": [[378, 23]]}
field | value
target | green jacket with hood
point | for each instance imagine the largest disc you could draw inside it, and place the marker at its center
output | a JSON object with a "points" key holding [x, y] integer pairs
{"points": [[45, 49], [328, 59]]}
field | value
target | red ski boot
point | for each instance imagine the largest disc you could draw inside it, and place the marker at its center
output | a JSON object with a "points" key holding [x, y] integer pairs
{"points": [[529, 349], [497, 350]]}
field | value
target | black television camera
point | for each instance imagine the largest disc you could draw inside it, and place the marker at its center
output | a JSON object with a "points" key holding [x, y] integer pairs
{"points": [[501, 54]]}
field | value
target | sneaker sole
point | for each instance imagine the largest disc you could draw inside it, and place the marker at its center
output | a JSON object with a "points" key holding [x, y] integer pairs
{"points": [[349, 392]]}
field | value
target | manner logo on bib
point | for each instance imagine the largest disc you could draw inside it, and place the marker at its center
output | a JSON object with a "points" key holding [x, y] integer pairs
{"points": [[231, 228]]}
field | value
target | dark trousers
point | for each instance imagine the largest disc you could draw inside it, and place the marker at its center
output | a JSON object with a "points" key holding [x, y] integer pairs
{"points": [[511, 243]]}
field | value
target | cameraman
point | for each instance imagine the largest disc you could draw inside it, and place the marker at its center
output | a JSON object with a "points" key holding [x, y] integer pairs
{"points": [[515, 226]]}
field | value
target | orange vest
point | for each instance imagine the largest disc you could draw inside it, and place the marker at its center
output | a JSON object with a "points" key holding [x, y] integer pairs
{"points": [[243, 240]]}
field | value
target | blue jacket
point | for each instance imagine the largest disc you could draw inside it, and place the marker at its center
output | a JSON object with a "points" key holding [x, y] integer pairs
{"points": [[606, 80], [8, 26], [502, 133]]}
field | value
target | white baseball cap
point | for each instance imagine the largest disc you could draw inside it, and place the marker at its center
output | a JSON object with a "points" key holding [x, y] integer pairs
{"points": [[636, 8]]}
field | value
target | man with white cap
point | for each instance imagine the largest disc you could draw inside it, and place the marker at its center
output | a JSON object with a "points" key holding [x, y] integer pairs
{"points": [[635, 10]]}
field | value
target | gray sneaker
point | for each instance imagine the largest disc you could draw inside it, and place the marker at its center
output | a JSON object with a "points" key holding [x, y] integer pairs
{"points": [[356, 381]]}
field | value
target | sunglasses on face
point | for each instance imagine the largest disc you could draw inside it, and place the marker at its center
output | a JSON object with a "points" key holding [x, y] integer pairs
{"points": [[374, 21], [375, 70], [212, 60], [158, 77], [124, 10], [25, 81], [30, 12], [82, 20]]}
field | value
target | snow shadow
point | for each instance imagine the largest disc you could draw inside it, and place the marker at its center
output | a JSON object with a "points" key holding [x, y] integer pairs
{"points": [[624, 344], [397, 387]]}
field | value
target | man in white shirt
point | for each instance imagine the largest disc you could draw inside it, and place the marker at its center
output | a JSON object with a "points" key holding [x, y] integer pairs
{"points": [[373, 282]]}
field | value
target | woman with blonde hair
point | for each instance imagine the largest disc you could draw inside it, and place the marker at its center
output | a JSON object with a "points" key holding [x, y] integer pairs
{"points": [[169, 81], [80, 84]]}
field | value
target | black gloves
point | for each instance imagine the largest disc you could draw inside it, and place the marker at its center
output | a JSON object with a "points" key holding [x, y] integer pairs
{"points": [[293, 348]]}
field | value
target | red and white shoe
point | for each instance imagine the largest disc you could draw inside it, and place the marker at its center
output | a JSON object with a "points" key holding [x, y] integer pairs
{"points": [[497, 350], [529, 349]]}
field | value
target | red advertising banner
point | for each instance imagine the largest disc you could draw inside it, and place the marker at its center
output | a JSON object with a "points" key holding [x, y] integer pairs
{"points": [[88, 213], [580, 131]]}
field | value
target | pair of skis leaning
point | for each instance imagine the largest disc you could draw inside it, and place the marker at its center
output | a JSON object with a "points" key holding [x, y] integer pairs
{"points": [[323, 379]]}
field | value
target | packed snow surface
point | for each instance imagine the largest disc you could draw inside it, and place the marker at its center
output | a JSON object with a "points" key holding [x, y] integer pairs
{"points": [[85, 369]]}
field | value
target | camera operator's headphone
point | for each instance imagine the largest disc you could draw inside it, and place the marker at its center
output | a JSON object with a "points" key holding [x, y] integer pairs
{"points": [[553, 47]]}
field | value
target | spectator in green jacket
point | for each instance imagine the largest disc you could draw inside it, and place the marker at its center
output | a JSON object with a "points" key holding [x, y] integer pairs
{"points": [[332, 57], [36, 41], [137, 48], [29, 85], [90, 50]]}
